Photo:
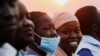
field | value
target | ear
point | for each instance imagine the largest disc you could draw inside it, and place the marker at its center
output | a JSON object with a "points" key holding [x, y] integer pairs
{"points": [[94, 27]]}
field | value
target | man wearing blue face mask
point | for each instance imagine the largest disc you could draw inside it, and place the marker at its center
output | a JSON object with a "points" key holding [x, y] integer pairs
{"points": [[48, 44], [46, 39]]}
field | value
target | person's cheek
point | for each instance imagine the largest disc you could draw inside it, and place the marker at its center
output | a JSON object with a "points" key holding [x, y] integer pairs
{"points": [[48, 33]]}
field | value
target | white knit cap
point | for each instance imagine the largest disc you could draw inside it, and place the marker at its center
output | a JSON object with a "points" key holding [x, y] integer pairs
{"points": [[61, 18]]}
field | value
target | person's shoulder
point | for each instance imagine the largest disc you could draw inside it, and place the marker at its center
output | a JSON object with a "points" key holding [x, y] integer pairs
{"points": [[7, 50], [85, 52]]}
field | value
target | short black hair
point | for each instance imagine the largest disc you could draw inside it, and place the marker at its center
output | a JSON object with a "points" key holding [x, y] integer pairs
{"points": [[35, 15], [2, 2], [87, 16]]}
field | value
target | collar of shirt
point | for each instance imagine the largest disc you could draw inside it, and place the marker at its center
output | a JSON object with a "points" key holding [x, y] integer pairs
{"points": [[7, 50]]}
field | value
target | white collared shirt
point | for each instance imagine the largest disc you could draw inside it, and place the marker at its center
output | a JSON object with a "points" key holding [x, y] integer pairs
{"points": [[7, 50]]}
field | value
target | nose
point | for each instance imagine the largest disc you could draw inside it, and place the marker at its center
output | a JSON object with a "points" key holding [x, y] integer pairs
{"points": [[53, 33], [27, 22], [73, 35]]}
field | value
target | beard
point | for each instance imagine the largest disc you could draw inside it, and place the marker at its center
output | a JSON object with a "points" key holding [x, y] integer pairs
{"points": [[6, 35]]}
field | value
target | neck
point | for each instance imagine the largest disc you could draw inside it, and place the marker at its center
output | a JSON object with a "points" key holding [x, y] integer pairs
{"points": [[3, 40], [17, 45], [95, 35], [1, 43], [68, 53]]}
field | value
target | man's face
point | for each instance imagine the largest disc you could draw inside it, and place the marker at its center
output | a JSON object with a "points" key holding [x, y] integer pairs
{"points": [[45, 27], [8, 20], [25, 30]]}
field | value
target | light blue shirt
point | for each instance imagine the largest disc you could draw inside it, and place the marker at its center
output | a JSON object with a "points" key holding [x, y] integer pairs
{"points": [[89, 42], [29, 52]]}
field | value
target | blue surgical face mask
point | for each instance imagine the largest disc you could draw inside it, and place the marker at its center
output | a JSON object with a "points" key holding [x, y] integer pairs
{"points": [[49, 44]]}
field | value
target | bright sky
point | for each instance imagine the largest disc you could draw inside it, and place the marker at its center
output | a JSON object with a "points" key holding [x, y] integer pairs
{"points": [[52, 6]]}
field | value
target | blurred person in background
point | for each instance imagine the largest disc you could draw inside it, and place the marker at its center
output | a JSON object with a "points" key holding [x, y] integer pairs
{"points": [[89, 18], [9, 15]]}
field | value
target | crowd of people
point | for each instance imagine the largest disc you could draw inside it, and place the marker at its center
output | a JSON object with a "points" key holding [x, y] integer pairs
{"points": [[35, 33]]}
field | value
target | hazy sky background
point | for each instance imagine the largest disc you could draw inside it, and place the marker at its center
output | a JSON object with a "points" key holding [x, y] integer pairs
{"points": [[50, 6]]}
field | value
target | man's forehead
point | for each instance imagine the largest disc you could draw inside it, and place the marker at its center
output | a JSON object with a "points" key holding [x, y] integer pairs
{"points": [[21, 7], [44, 18], [7, 10]]}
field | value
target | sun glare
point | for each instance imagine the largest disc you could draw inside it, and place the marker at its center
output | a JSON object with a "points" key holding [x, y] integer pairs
{"points": [[61, 2]]}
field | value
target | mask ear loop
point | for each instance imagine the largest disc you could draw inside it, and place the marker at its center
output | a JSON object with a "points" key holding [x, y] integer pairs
{"points": [[37, 36], [35, 42]]}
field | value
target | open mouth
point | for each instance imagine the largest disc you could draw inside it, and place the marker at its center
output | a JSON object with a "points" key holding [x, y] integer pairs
{"points": [[74, 43]]}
